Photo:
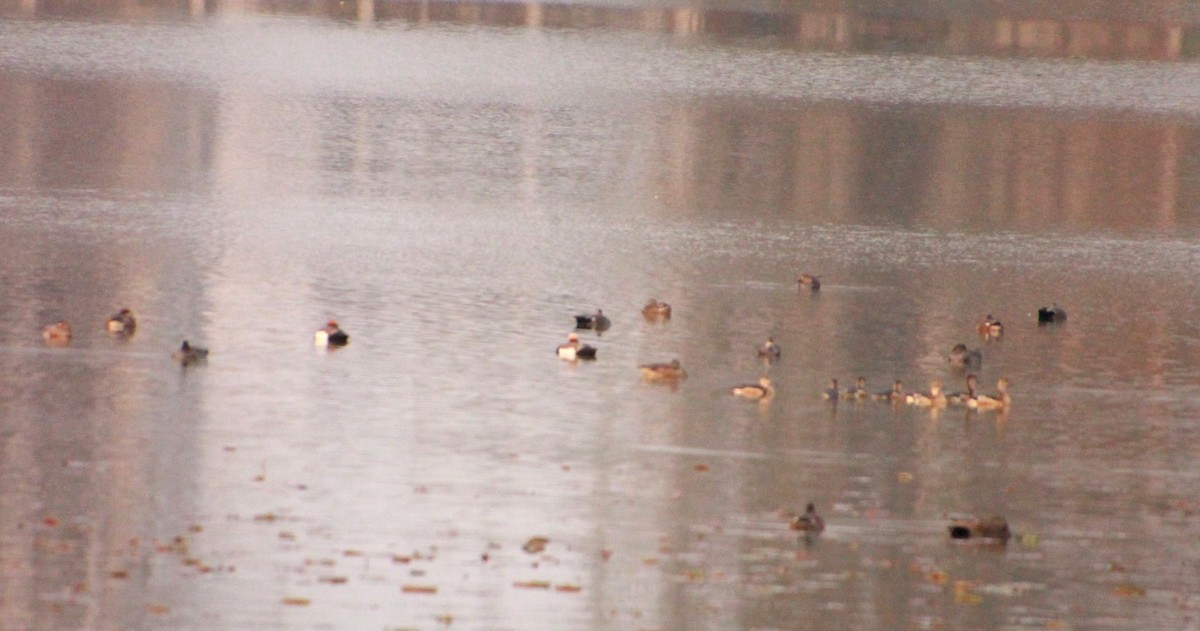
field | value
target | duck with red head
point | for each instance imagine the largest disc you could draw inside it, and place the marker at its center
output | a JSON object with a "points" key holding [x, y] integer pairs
{"points": [[573, 349], [331, 335]]}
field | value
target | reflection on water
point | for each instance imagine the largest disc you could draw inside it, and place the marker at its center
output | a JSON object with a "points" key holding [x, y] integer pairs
{"points": [[259, 175]]}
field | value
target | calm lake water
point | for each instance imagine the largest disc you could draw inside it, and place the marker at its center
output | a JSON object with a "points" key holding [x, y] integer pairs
{"points": [[454, 182]]}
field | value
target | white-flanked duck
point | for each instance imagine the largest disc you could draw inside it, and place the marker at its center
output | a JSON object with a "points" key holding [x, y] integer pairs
{"points": [[573, 349], [761, 390], [331, 335], [122, 322]]}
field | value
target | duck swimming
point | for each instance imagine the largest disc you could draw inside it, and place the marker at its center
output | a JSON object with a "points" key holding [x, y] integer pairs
{"points": [[832, 393], [999, 401], [573, 349], [1053, 313], [810, 281], [895, 395], [122, 322], [988, 528], [672, 371], [331, 335], [963, 398], [990, 327], [810, 521], [858, 391], [656, 311], [57, 334], [761, 390], [597, 321], [960, 357], [932, 399], [188, 354], [769, 349]]}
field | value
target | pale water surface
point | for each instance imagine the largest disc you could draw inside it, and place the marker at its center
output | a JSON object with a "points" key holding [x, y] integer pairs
{"points": [[453, 182]]}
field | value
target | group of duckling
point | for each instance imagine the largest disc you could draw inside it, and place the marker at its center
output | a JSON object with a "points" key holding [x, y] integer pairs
{"points": [[960, 357], [124, 324]]}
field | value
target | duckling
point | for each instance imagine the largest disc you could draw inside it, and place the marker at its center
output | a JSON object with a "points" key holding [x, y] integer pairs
{"points": [[331, 335], [188, 354], [769, 350], [1053, 313], [810, 521], [990, 327], [57, 334], [663, 372], [960, 357], [992, 528], [858, 391], [963, 398], [656, 311], [832, 393], [895, 395], [761, 390], [932, 399], [999, 401], [810, 281], [573, 349], [597, 321], [122, 322]]}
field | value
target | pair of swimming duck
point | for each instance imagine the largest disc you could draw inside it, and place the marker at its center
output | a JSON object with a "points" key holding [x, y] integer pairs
{"points": [[59, 333]]}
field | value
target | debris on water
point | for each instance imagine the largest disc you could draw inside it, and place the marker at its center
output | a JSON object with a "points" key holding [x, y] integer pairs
{"points": [[419, 589], [535, 545], [531, 584], [296, 601], [1129, 590]]}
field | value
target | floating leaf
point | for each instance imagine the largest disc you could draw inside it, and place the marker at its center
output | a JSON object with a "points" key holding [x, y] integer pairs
{"points": [[532, 584], [296, 601], [535, 545], [1129, 590], [419, 589], [567, 588]]}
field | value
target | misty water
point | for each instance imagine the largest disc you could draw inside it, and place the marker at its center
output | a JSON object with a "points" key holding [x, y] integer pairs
{"points": [[454, 182]]}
